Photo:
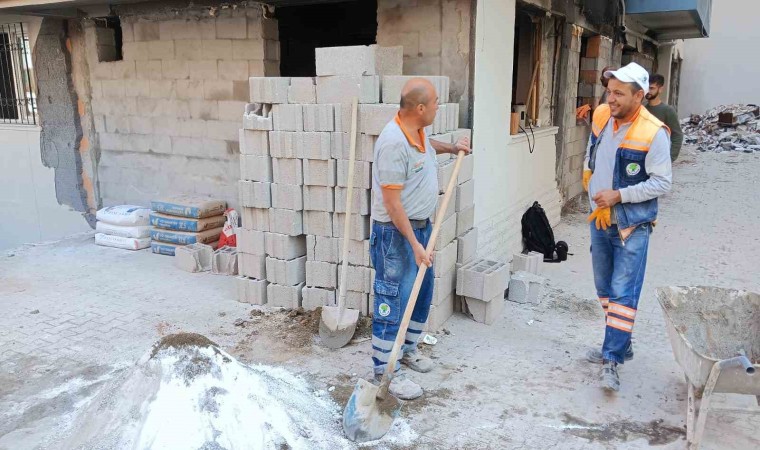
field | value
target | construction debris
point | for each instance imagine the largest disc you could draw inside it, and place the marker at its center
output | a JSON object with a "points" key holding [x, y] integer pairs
{"points": [[724, 128]]}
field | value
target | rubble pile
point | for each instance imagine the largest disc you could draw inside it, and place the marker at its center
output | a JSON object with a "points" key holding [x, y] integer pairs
{"points": [[724, 128]]}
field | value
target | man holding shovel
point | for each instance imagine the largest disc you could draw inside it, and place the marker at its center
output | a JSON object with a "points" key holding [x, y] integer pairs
{"points": [[405, 184]]}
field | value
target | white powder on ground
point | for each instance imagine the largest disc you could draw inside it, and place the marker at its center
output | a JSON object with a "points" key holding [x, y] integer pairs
{"points": [[202, 398]]}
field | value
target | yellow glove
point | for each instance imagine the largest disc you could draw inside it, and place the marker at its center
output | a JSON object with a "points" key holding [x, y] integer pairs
{"points": [[586, 179], [603, 218]]}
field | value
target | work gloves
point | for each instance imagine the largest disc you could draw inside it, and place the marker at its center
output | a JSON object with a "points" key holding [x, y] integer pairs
{"points": [[603, 218], [586, 179]]}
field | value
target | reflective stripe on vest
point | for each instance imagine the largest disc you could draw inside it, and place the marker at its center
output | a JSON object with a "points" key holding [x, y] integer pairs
{"points": [[641, 133]]}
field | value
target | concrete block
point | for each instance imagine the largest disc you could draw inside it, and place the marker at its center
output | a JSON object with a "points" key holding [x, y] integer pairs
{"points": [[450, 208], [531, 262], [287, 171], [486, 312], [467, 246], [283, 246], [465, 195], [365, 146], [452, 116], [269, 89], [256, 168], [482, 279], [251, 241], [313, 145], [362, 174], [389, 60], [319, 172], [193, 257], [439, 123], [255, 218], [393, 84], [358, 252], [592, 63], [465, 220], [251, 290], [341, 89], [321, 274], [343, 117], [302, 90], [255, 194], [448, 232], [373, 118], [254, 142], [257, 121], [253, 266], [445, 260], [350, 60], [359, 226], [439, 314], [461, 133], [282, 144], [445, 171], [361, 201], [314, 298], [318, 117], [287, 196], [443, 137], [358, 278], [525, 287], [321, 248], [286, 221], [287, 272], [284, 296], [467, 169], [444, 286], [224, 261], [318, 223], [287, 117], [357, 300], [318, 198]]}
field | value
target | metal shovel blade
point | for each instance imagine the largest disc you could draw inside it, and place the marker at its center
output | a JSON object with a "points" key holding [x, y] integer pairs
{"points": [[337, 329], [366, 417]]}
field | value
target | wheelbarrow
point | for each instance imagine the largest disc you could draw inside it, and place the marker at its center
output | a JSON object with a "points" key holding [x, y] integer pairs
{"points": [[715, 335]]}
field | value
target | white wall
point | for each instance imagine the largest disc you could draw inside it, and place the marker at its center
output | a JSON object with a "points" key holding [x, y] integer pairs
{"points": [[723, 68], [508, 178], [28, 206]]}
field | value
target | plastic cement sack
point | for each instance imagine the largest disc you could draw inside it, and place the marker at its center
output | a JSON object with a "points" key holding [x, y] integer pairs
{"points": [[186, 223], [185, 237], [165, 248], [124, 215], [136, 231], [189, 206], [122, 242]]}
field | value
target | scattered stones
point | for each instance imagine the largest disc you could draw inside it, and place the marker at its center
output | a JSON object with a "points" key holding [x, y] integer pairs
{"points": [[710, 134]]}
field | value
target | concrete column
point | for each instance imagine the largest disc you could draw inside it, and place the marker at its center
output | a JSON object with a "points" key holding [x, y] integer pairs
{"points": [[664, 58]]}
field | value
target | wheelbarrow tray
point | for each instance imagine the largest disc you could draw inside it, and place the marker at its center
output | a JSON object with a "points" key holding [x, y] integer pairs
{"points": [[729, 316]]}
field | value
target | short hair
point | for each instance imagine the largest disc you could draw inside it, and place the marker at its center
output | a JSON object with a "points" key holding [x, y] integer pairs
{"points": [[657, 79], [418, 95]]}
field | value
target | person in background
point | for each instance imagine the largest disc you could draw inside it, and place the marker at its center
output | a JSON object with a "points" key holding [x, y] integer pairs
{"points": [[604, 80], [666, 113]]}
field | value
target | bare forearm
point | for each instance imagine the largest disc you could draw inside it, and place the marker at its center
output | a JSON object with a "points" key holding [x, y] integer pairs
{"points": [[401, 221], [441, 147]]}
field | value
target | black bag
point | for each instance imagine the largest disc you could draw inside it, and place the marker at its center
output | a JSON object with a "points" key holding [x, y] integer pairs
{"points": [[538, 235]]}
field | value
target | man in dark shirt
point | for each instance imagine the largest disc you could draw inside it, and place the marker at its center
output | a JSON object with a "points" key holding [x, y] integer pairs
{"points": [[665, 113]]}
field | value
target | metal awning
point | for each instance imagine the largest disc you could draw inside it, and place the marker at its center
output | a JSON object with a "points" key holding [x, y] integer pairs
{"points": [[672, 19]]}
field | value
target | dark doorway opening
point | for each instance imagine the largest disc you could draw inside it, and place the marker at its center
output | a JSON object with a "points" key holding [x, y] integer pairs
{"points": [[304, 28]]}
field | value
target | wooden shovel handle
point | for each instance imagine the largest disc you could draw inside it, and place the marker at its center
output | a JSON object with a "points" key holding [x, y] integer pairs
{"points": [[382, 393], [349, 203]]}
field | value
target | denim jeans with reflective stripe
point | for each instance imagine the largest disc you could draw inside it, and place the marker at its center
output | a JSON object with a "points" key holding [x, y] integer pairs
{"points": [[619, 275], [395, 271]]}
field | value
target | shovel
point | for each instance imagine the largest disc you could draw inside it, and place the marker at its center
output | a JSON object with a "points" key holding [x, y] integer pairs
{"points": [[371, 409], [338, 324]]}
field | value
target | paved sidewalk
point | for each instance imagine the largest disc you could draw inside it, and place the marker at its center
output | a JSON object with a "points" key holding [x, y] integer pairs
{"points": [[75, 313]]}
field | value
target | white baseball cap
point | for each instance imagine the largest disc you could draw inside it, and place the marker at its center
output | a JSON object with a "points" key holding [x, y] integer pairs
{"points": [[632, 73]]}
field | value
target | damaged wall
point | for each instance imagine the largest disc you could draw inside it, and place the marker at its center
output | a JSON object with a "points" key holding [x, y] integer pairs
{"points": [[435, 35], [167, 116]]}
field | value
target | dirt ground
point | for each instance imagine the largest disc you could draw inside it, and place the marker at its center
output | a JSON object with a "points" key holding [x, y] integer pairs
{"points": [[77, 315]]}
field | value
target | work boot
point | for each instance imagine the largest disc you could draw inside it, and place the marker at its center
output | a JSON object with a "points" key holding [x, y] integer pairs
{"points": [[417, 362], [402, 387], [595, 355], [610, 378]]}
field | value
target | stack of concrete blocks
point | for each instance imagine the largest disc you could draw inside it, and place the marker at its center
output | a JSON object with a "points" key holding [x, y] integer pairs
{"points": [[294, 175], [598, 56], [532, 262], [482, 284]]}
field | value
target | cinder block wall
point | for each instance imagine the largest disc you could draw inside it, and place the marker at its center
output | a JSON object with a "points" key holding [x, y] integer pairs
{"points": [[167, 115], [435, 35]]}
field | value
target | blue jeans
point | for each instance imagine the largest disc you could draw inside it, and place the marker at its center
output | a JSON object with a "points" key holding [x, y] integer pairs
{"points": [[395, 271], [618, 275]]}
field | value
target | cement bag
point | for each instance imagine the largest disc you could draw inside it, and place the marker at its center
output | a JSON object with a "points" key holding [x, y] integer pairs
{"points": [[185, 237], [122, 242], [127, 215], [185, 223], [189, 206], [137, 231]]}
